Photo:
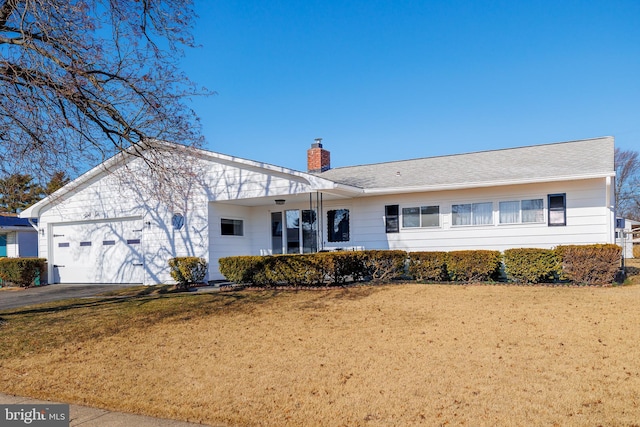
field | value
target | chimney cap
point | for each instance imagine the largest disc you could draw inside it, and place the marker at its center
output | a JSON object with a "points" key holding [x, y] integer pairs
{"points": [[317, 143]]}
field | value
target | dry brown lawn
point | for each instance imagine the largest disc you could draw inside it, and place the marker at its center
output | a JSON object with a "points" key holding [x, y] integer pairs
{"points": [[381, 356]]}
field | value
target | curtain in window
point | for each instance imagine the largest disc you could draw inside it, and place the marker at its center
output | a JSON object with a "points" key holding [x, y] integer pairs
{"points": [[509, 212], [532, 211], [482, 213], [430, 216], [410, 217], [461, 214]]}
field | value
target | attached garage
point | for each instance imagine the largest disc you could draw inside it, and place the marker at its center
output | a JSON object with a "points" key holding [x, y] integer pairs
{"points": [[104, 251]]}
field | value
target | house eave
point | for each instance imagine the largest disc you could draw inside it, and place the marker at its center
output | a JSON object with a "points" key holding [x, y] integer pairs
{"points": [[481, 184], [12, 229]]}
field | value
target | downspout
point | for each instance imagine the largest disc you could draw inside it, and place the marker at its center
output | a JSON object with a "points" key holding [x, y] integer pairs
{"points": [[611, 202], [321, 221], [33, 224]]}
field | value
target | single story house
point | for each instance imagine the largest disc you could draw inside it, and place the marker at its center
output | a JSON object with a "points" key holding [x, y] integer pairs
{"points": [[118, 223], [17, 237]]}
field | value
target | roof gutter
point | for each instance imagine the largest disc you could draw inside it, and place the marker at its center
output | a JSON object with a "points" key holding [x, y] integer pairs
{"points": [[462, 186]]}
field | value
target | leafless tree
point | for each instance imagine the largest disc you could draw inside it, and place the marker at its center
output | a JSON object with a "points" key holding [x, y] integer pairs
{"points": [[82, 80], [627, 184]]}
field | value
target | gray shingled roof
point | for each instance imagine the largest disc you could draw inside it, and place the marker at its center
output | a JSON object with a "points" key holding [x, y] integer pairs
{"points": [[591, 157]]}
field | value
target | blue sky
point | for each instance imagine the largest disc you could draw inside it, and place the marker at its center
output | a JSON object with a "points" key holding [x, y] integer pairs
{"points": [[394, 80]]}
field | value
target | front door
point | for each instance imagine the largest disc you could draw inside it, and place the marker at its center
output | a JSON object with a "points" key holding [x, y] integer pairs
{"points": [[294, 231]]}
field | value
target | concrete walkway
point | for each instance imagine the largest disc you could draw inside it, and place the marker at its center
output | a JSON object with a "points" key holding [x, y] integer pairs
{"points": [[86, 416]]}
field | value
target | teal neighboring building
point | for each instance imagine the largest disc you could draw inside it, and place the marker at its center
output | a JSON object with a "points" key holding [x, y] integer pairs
{"points": [[3, 245]]}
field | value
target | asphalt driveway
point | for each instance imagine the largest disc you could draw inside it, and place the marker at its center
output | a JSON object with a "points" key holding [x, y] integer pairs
{"points": [[13, 298]]}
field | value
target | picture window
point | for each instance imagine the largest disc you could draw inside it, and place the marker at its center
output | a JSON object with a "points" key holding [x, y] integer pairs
{"points": [[231, 227], [521, 211], [472, 214], [423, 216]]}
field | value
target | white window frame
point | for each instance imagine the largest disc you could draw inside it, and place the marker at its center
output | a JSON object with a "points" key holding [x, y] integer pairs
{"points": [[520, 221], [552, 221], [330, 224], [472, 216], [420, 224], [242, 222]]}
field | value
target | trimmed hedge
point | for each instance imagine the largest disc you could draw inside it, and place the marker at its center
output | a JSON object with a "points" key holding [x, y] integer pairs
{"points": [[382, 265], [428, 266], [316, 269], [590, 264], [21, 272], [187, 271], [531, 265], [240, 269], [474, 265]]}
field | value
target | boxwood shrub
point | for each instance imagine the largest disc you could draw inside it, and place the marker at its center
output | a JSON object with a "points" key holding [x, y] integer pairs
{"points": [[590, 264], [428, 266], [474, 265], [21, 272], [380, 265], [531, 265], [240, 269], [316, 269], [187, 271]]}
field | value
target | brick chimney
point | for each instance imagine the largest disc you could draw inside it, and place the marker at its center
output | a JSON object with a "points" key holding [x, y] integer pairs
{"points": [[318, 159]]}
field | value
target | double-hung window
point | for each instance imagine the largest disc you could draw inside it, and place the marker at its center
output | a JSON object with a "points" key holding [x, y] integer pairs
{"points": [[391, 219], [557, 209], [421, 216]]}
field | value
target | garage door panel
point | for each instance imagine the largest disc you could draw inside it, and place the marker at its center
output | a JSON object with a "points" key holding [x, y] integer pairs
{"points": [[98, 252]]}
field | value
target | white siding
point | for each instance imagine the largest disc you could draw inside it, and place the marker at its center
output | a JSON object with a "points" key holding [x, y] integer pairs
{"points": [[111, 197], [588, 219], [12, 245]]}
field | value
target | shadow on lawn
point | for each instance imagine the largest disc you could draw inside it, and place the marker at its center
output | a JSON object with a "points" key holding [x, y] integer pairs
{"points": [[205, 303]]}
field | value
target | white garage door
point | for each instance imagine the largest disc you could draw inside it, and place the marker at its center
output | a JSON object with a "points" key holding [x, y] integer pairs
{"points": [[98, 251]]}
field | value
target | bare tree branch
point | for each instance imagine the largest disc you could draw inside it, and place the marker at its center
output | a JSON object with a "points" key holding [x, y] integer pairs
{"points": [[627, 183], [85, 79]]}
